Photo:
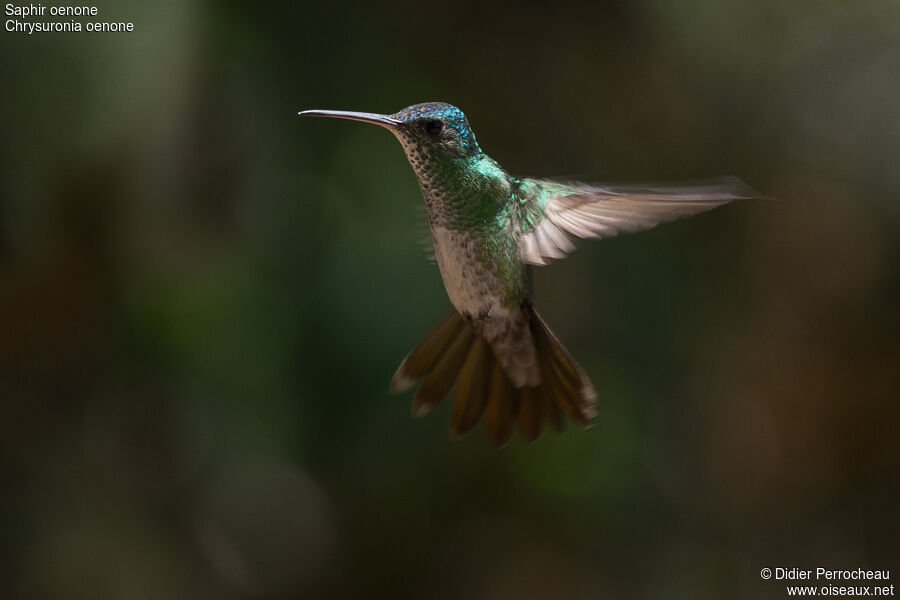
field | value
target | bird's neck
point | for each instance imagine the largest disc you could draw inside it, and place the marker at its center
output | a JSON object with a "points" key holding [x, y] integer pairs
{"points": [[463, 193]]}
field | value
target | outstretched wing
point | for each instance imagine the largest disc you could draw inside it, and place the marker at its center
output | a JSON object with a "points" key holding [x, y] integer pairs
{"points": [[551, 212]]}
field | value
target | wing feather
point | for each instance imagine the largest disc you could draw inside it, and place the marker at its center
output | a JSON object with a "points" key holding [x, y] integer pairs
{"points": [[554, 211]]}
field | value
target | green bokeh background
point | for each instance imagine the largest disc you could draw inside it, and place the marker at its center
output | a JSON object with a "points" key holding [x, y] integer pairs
{"points": [[204, 297]]}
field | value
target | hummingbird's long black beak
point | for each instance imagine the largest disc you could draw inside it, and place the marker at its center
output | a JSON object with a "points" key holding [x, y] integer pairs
{"points": [[383, 120]]}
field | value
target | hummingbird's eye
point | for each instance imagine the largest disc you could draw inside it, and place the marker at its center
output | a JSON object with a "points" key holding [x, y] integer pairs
{"points": [[434, 127]]}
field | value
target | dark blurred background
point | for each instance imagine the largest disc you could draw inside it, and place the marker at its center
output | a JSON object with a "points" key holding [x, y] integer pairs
{"points": [[204, 297]]}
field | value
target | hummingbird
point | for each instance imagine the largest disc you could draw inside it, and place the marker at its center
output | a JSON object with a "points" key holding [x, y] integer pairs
{"points": [[488, 230]]}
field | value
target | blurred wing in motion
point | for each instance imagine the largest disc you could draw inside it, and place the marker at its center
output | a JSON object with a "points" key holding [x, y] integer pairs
{"points": [[552, 211]]}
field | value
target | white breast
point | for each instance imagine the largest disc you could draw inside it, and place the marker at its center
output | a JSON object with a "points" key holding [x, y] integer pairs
{"points": [[467, 272]]}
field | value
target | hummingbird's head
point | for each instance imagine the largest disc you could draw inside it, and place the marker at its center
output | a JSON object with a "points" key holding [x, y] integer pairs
{"points": [[429, 131], [434, 130]]}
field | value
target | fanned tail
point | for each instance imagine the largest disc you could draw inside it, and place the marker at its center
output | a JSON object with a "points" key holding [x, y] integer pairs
{"points": [[453, 353]]}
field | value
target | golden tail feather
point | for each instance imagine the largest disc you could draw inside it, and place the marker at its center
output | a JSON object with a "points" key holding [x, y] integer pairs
{"points": [[454, 353]]}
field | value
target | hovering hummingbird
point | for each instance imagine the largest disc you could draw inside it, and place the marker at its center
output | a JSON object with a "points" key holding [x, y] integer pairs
{"points": [[488, 228]]}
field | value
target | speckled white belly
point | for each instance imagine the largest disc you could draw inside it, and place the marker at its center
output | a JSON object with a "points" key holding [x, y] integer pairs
{"points": [[469, 276], [467, 272]]}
